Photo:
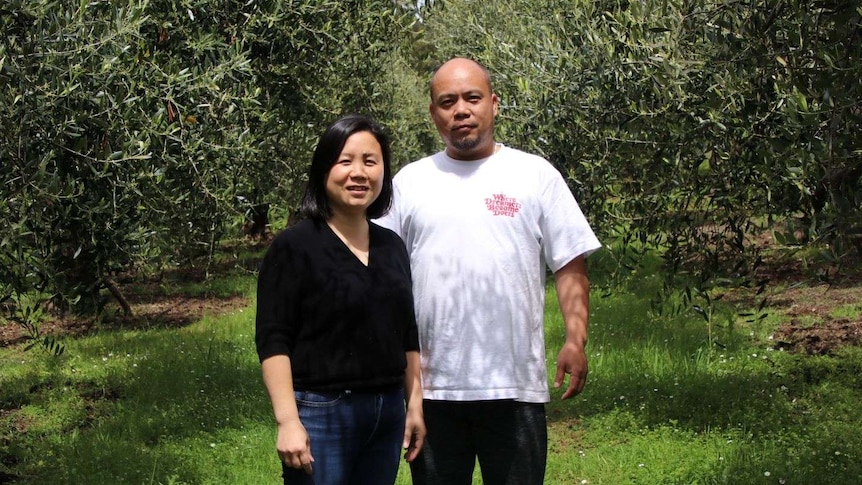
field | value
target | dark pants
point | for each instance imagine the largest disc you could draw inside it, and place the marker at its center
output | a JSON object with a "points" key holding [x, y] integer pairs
{"points": [[355, 437], [509, 438]]}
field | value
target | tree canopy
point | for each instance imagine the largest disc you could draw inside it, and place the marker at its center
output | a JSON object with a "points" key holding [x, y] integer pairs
{"points": [[145, 130]]}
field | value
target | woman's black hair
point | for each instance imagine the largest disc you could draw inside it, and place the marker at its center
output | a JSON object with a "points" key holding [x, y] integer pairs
{"points": [[315, 204]]}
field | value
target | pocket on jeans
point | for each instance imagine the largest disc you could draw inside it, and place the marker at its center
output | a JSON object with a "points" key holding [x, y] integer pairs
{"points": [[317, 399]]}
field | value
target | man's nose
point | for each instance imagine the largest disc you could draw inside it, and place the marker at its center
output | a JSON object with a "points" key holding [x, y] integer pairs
{"points": [[461, 109]]}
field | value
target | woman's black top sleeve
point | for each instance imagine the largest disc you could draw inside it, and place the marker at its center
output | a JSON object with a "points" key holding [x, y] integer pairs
{"points": [[343, 324]]}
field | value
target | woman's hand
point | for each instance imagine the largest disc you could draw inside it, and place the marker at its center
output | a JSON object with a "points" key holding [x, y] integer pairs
{"points": [[414, 427], [294, 446], [292, 443], [414, 432]]}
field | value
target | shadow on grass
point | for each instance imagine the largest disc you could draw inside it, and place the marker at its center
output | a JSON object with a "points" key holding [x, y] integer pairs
{"points": [[143, 406], [788, 415]]}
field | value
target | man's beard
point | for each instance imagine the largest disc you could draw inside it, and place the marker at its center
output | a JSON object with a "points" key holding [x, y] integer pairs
{"points": [[468, 143]]}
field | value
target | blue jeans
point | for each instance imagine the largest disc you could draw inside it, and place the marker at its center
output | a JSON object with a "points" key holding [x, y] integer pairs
{"points": [[355, 437], [509, 438]]}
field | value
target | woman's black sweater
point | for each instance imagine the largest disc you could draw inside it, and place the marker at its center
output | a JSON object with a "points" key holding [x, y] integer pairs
{"points": [[344, 325]]}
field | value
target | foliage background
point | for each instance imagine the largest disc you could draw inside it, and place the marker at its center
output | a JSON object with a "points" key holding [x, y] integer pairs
{"points": [[138, 136], [143, 133]]}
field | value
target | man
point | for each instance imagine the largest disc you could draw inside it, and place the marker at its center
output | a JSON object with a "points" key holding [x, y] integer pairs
{"points": [[481, 221]]}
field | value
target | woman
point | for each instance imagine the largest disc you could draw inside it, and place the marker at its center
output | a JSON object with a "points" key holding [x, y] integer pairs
{"points": [[335, 332]]}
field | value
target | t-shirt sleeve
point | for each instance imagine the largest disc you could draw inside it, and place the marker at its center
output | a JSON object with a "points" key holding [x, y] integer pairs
{"points": [[277, 301], [566, 234]]}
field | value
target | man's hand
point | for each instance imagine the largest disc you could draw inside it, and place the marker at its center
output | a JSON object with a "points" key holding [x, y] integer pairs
{"points": [[572, 360]]}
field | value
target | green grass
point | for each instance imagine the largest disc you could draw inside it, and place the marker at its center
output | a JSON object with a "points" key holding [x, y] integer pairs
{"points": [[851, 310], [662, 405]]}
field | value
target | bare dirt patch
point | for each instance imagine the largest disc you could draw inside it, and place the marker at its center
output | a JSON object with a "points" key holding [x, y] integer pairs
{"points": [[814, 305], [805, 297], [153, 302], [162, 311], [820, 340], [153, 305], [811, 324]]}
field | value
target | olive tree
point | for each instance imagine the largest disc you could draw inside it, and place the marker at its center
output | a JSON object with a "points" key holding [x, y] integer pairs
{"points": [[112, 143], [139, 132], [687, 125]]}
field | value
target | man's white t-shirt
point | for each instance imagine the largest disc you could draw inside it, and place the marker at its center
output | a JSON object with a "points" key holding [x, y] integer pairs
{"points": [[480, 235]]}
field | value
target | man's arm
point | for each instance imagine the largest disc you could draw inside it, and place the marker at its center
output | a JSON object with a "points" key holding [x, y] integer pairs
{"points": [[573, 293]]}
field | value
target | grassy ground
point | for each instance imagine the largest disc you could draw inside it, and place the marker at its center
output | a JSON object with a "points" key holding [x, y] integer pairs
{"points": [[147, 401]]}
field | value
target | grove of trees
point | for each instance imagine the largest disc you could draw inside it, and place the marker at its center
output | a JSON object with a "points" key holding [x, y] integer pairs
{"points": [[145, 132]]}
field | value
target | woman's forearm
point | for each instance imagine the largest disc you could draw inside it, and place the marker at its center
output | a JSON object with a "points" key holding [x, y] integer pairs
{"points": [[278, 379]]}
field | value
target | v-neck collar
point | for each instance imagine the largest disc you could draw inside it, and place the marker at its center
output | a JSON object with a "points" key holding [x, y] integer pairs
{"points": [[342, 244]]}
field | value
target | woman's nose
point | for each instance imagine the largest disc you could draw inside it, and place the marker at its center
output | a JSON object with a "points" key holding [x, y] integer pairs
{"points": [[358, 171]]}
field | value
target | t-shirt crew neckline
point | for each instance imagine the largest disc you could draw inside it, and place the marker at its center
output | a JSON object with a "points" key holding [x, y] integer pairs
{"points": [[466, 164]]}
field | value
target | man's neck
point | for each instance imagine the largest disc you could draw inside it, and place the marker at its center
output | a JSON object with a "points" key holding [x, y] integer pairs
{"points": [[473, 156]]}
